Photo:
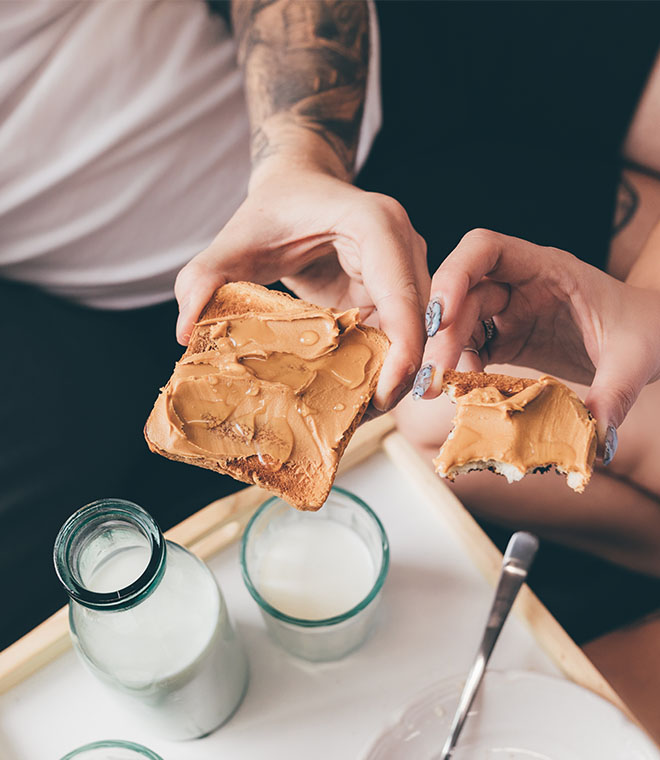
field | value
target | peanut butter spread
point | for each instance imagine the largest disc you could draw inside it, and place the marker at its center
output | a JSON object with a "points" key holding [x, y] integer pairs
{"points": [[280, 386], [544, 424]]}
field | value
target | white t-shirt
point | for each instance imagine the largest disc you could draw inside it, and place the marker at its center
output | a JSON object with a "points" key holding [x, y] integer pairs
{"points": [[124, 143]]}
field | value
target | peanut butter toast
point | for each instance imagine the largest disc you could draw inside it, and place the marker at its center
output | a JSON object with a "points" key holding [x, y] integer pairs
{"points": [[270, 391], [515, 426]]}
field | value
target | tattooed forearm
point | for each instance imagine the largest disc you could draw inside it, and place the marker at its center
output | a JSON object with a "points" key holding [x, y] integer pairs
{"points": [[305, 64], [627, 202]]}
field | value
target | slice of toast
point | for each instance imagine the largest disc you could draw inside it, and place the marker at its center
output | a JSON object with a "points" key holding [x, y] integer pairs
{"points": [[304, 476], [515, 426]]}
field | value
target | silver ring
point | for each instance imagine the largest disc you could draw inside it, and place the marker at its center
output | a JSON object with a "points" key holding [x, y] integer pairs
{"points": [[489, 329], [471, 349]]}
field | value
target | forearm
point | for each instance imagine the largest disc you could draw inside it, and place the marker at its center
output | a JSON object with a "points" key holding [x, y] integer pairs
{"points": [[305, 64]]}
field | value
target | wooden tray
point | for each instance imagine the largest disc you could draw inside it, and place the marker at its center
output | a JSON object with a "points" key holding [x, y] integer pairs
{"points": [[221, 523]]}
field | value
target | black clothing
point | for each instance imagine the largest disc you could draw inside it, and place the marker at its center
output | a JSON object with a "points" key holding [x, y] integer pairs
{"points": [[77, 387], [509, 116]]}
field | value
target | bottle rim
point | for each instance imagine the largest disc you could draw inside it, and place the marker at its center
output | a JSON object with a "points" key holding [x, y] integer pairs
{"points": [[85, 521], [139, 749]]}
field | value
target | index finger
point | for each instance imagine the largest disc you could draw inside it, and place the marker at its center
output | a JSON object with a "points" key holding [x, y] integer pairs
{"points": [[479, 254], [397, 280]]}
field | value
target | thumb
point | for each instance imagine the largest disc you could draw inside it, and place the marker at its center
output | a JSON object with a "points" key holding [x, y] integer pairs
{"points": [[228, 258], [194, 286], [619, 379]]}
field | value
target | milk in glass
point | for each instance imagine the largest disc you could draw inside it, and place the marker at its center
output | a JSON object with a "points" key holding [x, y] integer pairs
{"points": [[316, 576], [315, 569]]}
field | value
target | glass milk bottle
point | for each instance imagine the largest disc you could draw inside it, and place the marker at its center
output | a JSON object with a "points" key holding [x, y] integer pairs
{"points": [[148, 619]]}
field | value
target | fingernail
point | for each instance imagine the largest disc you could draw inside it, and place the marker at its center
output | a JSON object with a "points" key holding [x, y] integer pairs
{"points": [[181, 337], [611, 443], [423, 380], [433, 317], [179, 323]]}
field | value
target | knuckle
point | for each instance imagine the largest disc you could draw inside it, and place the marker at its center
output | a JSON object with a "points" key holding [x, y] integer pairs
{"points": [[481, 235], [183, 279], [203, 268], [565, 264], [421, 247], [452, 277], [391, 208], [406, 290], [405, 294]]}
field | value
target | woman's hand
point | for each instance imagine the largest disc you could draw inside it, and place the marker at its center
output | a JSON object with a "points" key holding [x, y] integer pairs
{"points": [[330, 243], [551, 312]]}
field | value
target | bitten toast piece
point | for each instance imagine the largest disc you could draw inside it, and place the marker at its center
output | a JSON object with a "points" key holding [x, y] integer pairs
{"points": [[514, 426], [270, 391]]}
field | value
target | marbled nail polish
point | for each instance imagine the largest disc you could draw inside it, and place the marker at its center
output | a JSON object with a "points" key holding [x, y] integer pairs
{"points": [[423, 380], [611, 443], [433, 317]]}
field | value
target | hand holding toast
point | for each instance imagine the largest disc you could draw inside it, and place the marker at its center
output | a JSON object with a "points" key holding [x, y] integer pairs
{"points": [[330, 243], [551, 312]]}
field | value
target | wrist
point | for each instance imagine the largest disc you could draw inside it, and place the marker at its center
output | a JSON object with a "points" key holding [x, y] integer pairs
{"points": [[280, 145]]}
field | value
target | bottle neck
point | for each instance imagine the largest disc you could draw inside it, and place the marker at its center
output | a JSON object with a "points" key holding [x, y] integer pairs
{"points": [[110, 555]]}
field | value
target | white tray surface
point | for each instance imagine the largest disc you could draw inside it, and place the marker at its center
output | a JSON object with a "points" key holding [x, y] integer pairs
{"points": [[433, 609]]}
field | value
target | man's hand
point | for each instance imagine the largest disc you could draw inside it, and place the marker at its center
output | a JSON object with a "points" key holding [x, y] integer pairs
{"points": [[333, 245], [551, 312], [305, 66]]}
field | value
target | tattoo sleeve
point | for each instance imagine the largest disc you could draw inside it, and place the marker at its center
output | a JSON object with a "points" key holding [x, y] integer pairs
{"points": [[305, 64]]}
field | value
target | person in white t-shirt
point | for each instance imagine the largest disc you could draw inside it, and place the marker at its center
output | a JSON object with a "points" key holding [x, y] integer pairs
{"points": [[125, 141], [136, 148]]}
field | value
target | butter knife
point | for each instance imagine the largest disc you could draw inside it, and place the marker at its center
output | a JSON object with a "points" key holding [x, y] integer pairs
{"points": [[517, 560]]}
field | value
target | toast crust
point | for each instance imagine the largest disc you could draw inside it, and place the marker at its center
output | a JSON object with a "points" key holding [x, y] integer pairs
{"points": [[456, 384], [298, 480]]}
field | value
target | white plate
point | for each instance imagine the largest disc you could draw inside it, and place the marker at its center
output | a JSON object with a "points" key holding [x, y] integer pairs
{"points": [[516, 716]]}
